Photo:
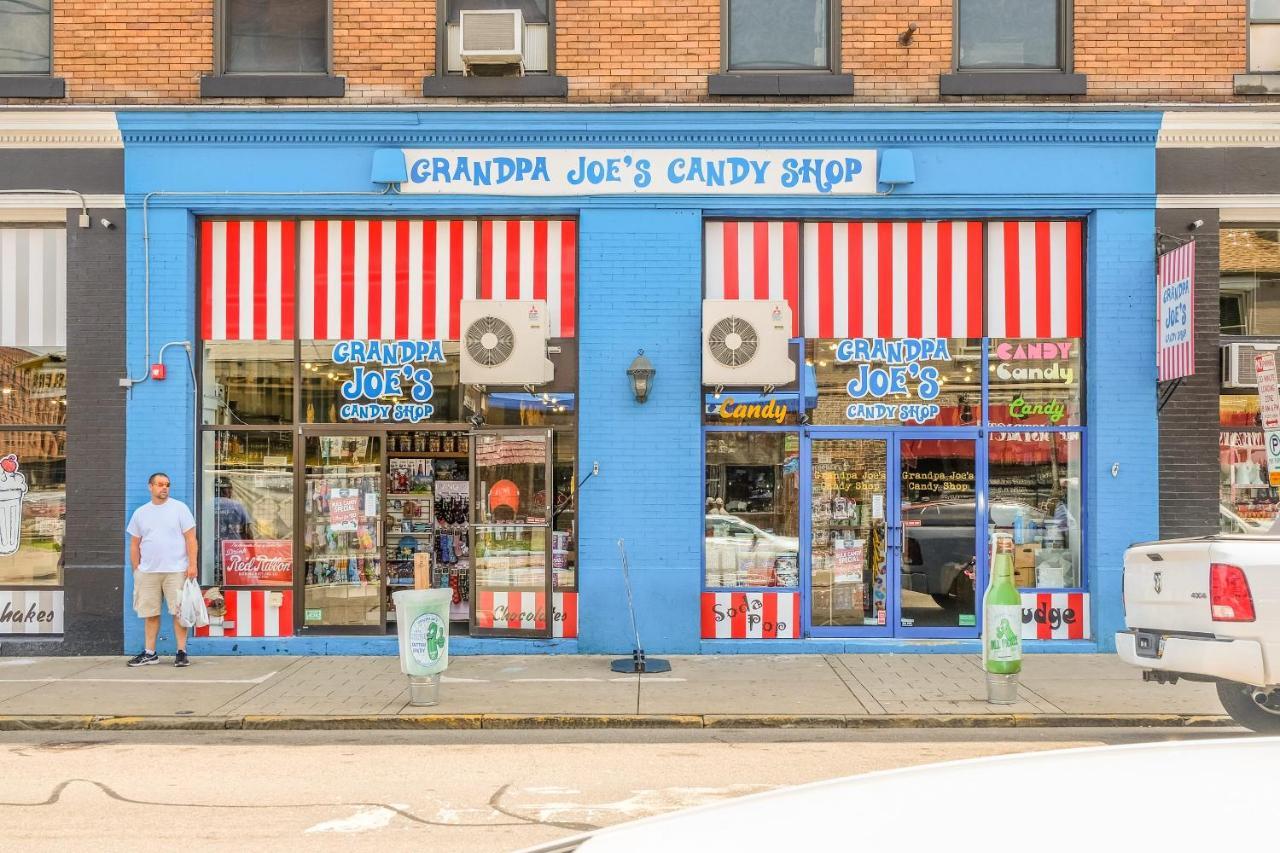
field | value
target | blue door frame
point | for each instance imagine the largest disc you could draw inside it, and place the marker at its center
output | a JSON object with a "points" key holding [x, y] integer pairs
{"points": [[894, 534]]}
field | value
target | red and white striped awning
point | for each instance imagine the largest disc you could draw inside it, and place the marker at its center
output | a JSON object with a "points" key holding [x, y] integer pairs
{"points": [[754, 260], [892, 279], [1035, 279], [378, 278]]}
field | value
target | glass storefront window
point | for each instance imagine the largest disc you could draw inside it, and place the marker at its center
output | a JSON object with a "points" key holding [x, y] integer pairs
{"points": [[752, 509], [521, 409], [248, 382], [896, 381], [1249, 295], [1247, 503], [564, 516], [33, 506], [1034, 496], [1035, 382], [33, 386], [246, 508]]}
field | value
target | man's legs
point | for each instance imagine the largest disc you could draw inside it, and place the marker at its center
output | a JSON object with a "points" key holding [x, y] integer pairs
{"points": [[180, 634], [151, 626]]}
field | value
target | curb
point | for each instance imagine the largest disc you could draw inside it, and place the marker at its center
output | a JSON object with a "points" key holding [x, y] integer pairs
{"points": [[498, 722]]}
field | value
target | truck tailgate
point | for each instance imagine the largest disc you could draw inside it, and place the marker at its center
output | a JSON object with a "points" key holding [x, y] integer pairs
{"points": [[1166, 587]]}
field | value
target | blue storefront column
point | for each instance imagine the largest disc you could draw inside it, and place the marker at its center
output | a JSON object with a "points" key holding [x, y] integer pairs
{"points": [[1122, 455], [640, 287], [161, 423]]}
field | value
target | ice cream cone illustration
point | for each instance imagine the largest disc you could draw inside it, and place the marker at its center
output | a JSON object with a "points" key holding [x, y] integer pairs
{"points": [[13, 488]]}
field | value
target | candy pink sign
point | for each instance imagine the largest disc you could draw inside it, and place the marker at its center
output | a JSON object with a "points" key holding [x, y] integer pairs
{"points": [[257, 562]]}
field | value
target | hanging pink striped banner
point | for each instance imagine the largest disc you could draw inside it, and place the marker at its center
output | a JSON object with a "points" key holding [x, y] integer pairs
{"points": [[750, 616], [524, 259], [1055, 616], [384, 278], [1035, 279], [754, 260], [892, 279], [1176, 290], [246, 279]]}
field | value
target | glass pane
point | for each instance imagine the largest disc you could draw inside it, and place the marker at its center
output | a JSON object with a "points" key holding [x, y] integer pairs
{"points": [[1247, 502], [25, 36], [1249, 262], [1034, 496], [752, 509], [519, 409], [366, 382], [896, 381], [1267, 10], [342, 533], [564, 518], [510, 533], [1036, 383], [283, 36], [33, 386], [1009, 34], [848, 546], [533, 11], [766, 34], [33, 507], [248, 382], [939, 501], [246, 509], [1264, 47]]}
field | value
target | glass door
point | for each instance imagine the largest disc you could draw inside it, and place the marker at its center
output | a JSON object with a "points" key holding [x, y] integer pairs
{"points": [[850, 536], [938, 505], [511, 533], [341, 514]]}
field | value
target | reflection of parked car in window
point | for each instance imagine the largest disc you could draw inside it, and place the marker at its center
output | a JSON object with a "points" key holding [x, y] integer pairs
{"points": [[1231, 522], [939, 558], [773, 559]]}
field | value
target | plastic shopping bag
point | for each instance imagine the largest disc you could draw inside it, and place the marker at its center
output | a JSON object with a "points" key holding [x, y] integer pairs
{"points": [[191, 610]]}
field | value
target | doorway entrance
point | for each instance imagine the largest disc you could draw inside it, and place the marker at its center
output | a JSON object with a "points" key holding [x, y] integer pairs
{"points": [[894, 535]]}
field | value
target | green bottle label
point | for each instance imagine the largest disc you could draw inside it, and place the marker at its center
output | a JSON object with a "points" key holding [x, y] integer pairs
{"points": [[1004, 639]]}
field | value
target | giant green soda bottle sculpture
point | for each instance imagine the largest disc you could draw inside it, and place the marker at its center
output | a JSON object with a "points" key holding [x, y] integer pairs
{"points": [[1002, 615]]}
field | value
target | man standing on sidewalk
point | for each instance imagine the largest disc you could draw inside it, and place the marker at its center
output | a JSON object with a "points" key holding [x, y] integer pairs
{"points": [[162, 550]]}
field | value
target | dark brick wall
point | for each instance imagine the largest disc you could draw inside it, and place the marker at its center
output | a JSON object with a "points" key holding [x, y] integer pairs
{"points": [[1189, 420], [93, 554]]}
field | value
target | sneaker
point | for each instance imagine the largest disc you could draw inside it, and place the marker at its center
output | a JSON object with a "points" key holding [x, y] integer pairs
{"points": [[181, 659], [143, 659]]}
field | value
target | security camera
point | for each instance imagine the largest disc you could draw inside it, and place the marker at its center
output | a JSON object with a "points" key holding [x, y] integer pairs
{"points": [[107, 224], [1199, 223]]}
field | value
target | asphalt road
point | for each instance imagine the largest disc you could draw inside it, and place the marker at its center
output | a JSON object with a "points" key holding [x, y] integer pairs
{"points": [[438, 791]]}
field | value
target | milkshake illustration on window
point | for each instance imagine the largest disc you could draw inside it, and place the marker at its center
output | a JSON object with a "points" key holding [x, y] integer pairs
{"points": [[13, 488]]}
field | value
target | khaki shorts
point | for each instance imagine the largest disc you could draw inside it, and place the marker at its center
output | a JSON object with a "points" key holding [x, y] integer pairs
{"points": [[148, 587]]}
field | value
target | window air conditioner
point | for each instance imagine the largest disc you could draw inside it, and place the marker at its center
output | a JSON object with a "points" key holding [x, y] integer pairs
{"points": [[491, 38], [1238, 369]]}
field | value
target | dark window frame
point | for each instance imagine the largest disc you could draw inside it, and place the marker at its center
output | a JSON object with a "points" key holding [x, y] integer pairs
{"points": [[784, 82], [1066, 45], [442, 83], [223, 83], [1249, 21], [833, 45], [49, 73], [35, 85], [1017, 81]]}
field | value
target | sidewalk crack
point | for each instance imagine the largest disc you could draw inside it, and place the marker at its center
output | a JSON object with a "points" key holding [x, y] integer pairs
{"points": [[855, 687]]}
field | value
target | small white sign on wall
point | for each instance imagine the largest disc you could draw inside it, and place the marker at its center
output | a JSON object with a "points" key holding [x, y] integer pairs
{"points": [[31, 611]]}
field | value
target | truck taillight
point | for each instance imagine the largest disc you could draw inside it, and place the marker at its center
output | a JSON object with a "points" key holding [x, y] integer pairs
{"points": [[1229, 596]]}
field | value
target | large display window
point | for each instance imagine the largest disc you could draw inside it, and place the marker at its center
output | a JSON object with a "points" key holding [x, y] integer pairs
{"points": [[752, 509]]}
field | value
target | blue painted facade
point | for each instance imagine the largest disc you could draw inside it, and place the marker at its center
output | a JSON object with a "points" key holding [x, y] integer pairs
{"points": [[640, 275]]}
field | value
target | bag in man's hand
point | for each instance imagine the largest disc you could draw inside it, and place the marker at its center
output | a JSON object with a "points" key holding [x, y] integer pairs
{"points": [[191, 610]]}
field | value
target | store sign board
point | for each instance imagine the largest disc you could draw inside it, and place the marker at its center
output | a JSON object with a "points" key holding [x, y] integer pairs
{"points": [[31, 611], [1176, 282], [890, 369], [1268, 391], [257, 562], [639, 171], [388, 381], [739, 411]]}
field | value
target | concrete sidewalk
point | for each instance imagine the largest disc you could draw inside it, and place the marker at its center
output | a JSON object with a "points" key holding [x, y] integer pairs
{"points": [[577, 691]]}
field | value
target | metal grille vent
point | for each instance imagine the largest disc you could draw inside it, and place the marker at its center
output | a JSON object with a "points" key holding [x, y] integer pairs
{"points": [[490, 341], [490, 32], [733, 341]]}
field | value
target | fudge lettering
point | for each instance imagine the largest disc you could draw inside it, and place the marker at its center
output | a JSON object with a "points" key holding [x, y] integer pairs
{"points": [[1054, 617], [891, 368], [388, 370]]}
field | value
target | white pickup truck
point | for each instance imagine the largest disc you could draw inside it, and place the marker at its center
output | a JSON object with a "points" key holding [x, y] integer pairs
{"points": [[1208, 609]]}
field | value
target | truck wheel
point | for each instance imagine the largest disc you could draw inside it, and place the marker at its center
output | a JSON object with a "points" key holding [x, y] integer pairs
{"points": [[1240, 702]]}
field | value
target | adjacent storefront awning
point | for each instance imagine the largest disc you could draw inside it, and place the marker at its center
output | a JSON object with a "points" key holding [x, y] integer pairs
{"points": [[378, 278], [33, 287], [754, 260], [1034, 280]]}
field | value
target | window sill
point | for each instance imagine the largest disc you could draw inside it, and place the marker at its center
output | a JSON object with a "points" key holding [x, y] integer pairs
{"points": [[1012, 83], [1257, 83], [528, 86], [33, 86], [755, 83], [272, 86]]}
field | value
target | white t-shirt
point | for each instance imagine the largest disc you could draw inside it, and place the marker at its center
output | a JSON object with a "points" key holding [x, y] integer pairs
{"points": [[162, 529]]}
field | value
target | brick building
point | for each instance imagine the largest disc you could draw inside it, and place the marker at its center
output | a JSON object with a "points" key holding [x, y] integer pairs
{"points": [[954, 203]]}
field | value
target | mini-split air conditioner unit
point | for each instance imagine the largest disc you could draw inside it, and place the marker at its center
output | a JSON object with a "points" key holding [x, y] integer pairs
{"points": [[746, 343], [505, 343]]}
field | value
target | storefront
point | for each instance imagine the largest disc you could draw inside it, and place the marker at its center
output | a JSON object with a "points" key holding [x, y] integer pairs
{"points": [[954, 325]]}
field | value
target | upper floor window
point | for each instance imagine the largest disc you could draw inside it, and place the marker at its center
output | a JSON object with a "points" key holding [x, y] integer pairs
{"points": [[1013, 35], [26, 36], [1264, 35], [536, 50], [1249, 299], [275, 36], [780, 35]]}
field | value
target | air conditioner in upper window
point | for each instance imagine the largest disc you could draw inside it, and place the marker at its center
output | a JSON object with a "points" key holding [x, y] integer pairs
{"points": [[491, 38], [505, 343], [1238, 368], [746, 342]]}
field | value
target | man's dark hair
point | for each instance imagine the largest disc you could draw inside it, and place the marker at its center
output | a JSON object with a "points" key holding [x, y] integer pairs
{"points": [[152, 479]]}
